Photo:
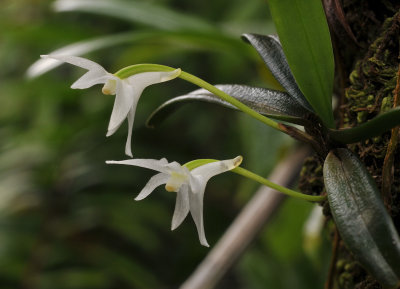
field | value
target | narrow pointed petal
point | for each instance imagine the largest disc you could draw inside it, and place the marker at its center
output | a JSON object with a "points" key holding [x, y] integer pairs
{"points": [[131, 116], [181, 207], [153, 183], [196, 210], [142, 80], [77, 61], [90, 78], [128, 93], [156, 165], [211, 169], [112, 131], [124, 99]]}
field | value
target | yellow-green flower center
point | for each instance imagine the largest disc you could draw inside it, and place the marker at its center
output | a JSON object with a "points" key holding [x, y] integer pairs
{"points": [[109, 87], [175, 182]]}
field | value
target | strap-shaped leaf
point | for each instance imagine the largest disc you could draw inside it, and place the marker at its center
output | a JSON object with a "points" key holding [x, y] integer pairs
{"points": [[374, 127], [270, 50], [361, 218], [304, 34], [272, 103]]}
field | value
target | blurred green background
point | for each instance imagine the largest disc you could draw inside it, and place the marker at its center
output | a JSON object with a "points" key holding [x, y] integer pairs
{"points": [[67, 220]]}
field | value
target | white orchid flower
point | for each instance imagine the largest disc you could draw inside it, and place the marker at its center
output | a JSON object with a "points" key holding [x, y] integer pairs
{"points": [[127, 91], [189, 186]]}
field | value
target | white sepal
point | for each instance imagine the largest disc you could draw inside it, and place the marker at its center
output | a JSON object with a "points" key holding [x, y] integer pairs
{"points": [[151, 185], [181, 207]]}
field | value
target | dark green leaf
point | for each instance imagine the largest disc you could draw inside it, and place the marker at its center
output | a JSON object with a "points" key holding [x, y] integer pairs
{"points": [[304, 34], [374, 127], [361, 218], [272, 103], [272, 53]]}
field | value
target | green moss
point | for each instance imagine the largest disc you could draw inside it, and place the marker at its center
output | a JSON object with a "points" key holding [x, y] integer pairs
{"points": [[387, 103], [361, 116], [371, 92], [372, 83]]}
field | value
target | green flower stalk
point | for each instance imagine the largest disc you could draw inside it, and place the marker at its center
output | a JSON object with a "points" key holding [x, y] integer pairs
{"points": [[250, 175]]}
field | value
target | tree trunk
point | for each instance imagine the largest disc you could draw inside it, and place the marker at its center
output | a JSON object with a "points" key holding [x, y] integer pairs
{"points": [[365, 37]]}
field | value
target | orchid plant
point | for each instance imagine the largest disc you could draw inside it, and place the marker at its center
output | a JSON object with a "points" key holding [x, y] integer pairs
{"points": [[306, 101]]}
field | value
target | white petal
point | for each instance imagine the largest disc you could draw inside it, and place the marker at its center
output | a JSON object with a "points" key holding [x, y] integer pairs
{"points": [[128, 93], [77, 61], [124, 100], [112, 131], [196, 210], [96, 74], [176, 167], [211, 169], [197, 183], [153, 183], [131, 116], [156, 165], [142, 80], [181, 207], [90, 78]]}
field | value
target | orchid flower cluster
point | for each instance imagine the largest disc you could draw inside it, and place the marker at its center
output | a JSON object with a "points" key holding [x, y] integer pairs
{"points": [[188, 180], [188, 184]]}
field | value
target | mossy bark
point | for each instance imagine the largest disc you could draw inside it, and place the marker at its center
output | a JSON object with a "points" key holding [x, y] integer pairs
{"points": [[366, 37]]}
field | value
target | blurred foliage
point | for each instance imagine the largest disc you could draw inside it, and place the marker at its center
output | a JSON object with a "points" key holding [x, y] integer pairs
{"points": [[278, 259], [69, 221]]}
